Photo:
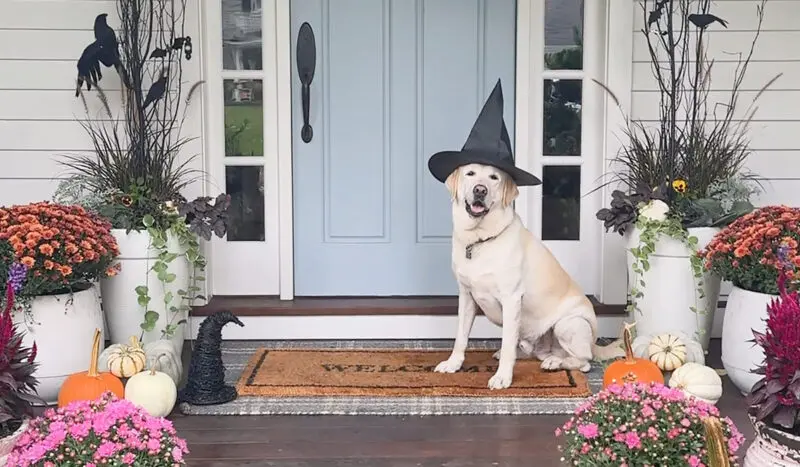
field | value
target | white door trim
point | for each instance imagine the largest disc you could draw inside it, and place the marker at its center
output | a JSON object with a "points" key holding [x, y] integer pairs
{"points": [[618, 78]]}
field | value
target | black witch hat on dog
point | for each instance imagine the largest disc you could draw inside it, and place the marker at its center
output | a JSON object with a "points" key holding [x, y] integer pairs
{"points": [[487, 144]]}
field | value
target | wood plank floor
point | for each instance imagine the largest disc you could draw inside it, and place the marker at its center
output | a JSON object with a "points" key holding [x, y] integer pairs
{"points": [[370, 441]]}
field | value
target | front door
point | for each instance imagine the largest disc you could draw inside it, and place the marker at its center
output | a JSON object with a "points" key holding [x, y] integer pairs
{"points": [[394, 82]]}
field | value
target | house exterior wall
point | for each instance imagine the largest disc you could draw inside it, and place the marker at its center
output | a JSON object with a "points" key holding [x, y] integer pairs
{"points": [[38, 110], [40, 43], [776, 125]]}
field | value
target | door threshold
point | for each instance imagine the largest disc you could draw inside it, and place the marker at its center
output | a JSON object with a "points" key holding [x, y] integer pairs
{"points": [[351, 306]]}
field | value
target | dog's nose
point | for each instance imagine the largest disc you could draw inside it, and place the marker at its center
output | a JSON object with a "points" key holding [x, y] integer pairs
{"points": [[480, 191]]}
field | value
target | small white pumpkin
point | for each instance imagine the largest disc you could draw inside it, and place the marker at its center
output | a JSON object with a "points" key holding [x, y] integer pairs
{"points": [[152, 390], [163, 355], [667, 351], [694, 351], [697, 380], [125, 361]]}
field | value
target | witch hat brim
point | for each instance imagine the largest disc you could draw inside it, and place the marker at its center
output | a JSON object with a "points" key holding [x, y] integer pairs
{"points": [[488, 143]]}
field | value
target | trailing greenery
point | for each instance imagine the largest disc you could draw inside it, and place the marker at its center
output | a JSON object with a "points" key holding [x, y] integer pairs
{"points": [[650, 233]]}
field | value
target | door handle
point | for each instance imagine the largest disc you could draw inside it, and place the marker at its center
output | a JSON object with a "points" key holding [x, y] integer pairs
{"points": [[306, 64]]}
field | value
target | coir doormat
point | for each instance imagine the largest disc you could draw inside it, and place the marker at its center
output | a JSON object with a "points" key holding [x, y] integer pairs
{"points": [[284, 362], [393, 373]]}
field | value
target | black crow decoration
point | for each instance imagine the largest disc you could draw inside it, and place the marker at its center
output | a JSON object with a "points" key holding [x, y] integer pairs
{"points": [[702, 21], [105, 50], [205, 384], [157, 90]]}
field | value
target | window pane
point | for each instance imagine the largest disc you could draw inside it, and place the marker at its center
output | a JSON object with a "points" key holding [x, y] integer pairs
{"points": [[241, 35], [563, 35], [561, 202], [245, 185], [562, 117], [244, 117]]}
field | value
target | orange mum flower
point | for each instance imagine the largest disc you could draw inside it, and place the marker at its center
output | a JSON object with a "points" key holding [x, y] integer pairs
{"points": [[753, 249], [53, 240]]}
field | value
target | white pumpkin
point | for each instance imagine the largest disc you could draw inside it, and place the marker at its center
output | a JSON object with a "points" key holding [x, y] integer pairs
{"points": [[152, 390], [162, 354], [667, 351], [697, 380], [694, 351]]}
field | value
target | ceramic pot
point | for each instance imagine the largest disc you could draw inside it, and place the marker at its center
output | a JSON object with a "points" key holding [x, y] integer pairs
{"points": [[123, 312], [670, 290], [744, 313], [7, 443], [772, 448], [62, 326]]}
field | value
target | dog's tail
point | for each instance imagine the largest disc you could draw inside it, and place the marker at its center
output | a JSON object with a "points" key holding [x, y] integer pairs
{"points": [[610, 351]]}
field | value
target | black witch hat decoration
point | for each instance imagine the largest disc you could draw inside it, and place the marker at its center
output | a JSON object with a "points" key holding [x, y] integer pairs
{"points": [[205, 383], [487, 144]]}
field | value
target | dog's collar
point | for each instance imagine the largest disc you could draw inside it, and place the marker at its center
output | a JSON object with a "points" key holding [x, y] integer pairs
{"points": [[471, 246]]}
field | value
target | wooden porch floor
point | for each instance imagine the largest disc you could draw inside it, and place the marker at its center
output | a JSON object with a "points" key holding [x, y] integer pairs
{"points": [[349, 441]]}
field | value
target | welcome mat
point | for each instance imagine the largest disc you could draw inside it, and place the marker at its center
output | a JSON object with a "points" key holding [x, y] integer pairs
{"points": [[393, 373], [237, 356]]}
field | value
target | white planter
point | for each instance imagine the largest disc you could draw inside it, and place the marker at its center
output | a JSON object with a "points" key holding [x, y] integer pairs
{"points": [[7, 443], [670, 289], [62, 326], [744, 313], [120, 301]]}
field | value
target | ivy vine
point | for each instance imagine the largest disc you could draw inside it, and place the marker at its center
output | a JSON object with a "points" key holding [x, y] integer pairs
{"points": [[189, 247], [649, 233]]}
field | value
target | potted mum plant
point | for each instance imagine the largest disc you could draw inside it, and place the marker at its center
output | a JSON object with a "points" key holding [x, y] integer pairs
{"points": [[751, 253], [682, 179], [106, 431], [137, 175], [648, 424], [54, 255], [17, 377], [774, 401]]}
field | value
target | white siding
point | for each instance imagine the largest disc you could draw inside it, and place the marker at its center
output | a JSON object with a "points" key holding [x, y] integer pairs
{"points": [[775, 131], [40, 42]]}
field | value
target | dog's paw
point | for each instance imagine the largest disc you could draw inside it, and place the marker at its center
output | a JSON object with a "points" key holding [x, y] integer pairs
{"points": [[496, 355], [551, 363], [449, 366], [500, 380]]}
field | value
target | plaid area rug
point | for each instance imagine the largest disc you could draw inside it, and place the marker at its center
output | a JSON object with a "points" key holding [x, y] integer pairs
{"points": [[236, 355]]}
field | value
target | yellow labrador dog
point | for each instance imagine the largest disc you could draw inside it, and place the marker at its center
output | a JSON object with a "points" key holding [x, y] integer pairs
{"points": [[517, 282]]}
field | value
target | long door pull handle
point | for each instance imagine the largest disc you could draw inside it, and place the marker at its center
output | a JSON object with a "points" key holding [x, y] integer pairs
{"points": [[306, 64]]}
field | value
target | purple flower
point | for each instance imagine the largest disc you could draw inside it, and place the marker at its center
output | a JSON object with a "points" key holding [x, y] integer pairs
{"points": [[783, 255], [16, 276]]}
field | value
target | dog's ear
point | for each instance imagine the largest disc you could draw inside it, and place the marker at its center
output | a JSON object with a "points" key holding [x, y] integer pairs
{"points": [[510, 192], [452, 182]]}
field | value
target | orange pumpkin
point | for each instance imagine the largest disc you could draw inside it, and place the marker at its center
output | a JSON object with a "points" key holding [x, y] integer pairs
{"points": [[89, 385], [631, 369]]}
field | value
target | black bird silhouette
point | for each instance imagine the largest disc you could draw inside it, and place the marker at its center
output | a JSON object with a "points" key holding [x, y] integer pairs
{"points": [[178, 42], [88, 68], [703, 20], [205, 383], [159, 53], [104, 35], [157, 90], [654, 16]]}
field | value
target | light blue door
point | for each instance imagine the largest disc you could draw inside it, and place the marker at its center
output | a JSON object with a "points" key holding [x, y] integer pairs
{"points": [[395, 81]]}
